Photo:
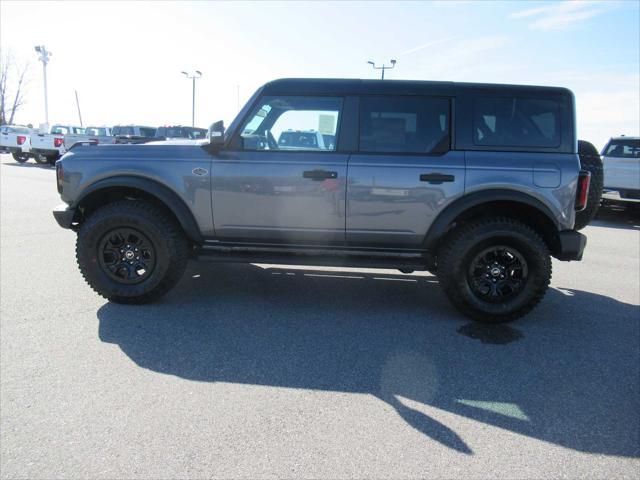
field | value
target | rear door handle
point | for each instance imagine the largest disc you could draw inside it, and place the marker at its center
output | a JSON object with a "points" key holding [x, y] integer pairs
{"points": [[436, 178], [318, 175]]}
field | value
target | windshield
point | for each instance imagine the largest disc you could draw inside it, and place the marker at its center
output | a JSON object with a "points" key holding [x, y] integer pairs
{"points": [[59, 130], [197, 133], [181, 132], [99, 131], [130, 131], [123, 130], [7, 129], [622, 148], [171, 132], [294, 139]]}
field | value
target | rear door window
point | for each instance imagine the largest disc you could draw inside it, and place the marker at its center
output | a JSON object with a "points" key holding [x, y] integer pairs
{"points": [[404, 124], [516, 122]]}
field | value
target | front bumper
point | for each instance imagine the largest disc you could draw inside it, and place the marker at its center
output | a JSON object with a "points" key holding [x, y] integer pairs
{"points": [[64, 215], [571, 245]]}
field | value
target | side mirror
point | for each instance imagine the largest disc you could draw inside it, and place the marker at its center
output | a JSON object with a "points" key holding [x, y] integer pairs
{"points": [[216, 133], [216, 138]]}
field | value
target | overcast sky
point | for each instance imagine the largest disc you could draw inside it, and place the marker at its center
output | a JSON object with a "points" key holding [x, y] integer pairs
{"points": [[125, 59]]}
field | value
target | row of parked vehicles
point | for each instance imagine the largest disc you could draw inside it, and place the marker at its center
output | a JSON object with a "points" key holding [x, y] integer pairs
{"points": [[46, 145]]}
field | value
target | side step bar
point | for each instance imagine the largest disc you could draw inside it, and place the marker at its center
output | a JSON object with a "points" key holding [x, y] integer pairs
{"points": [[311, 256]]}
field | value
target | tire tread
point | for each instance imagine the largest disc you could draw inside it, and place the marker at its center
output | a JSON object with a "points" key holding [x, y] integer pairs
{"points": [[178, 246], [453, 248]]}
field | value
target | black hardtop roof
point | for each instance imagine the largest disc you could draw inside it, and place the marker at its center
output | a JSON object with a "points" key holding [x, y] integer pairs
{"points": [[340, 86]]}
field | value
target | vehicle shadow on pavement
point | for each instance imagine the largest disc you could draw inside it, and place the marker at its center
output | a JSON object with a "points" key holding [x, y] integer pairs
{"points": [[566, 374], [624, 217], [48, 166]]}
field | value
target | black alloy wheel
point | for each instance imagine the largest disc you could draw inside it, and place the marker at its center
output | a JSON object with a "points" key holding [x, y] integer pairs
{"points": [[131, 251], [497, 274], [126, 255], [494, 269]]}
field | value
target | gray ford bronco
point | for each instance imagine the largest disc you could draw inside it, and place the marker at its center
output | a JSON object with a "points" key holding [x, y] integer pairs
{"points": [[479, 184]]}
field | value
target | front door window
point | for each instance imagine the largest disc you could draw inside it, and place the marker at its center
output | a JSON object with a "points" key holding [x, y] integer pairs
{"points": [[293, 123]]}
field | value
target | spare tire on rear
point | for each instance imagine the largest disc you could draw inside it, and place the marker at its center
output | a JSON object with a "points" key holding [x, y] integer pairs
{"points": [[590, 160]]}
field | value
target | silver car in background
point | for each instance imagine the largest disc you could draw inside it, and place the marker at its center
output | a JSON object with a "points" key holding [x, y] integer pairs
{"points": [[621, 164]]}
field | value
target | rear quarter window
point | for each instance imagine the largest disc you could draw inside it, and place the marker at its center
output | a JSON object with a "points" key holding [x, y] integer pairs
{"points": [[516, 122]]}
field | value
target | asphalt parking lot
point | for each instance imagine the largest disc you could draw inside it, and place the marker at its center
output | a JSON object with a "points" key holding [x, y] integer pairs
{"points": [[277, 372]]}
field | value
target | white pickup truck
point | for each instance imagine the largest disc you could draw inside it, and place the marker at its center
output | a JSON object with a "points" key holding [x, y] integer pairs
{"points": [[91, 134], [13, 139], [51, 144], [621, 165]]}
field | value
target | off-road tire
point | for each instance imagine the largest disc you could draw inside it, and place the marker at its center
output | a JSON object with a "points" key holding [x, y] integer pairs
{"points": [[171, 250], [19, 157], [464, 243], [40, 159], [590, 160]]}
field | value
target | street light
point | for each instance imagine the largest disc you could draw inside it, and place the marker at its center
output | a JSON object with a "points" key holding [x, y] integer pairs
{"points": [[383, 67], [43, 56], [193, 76]]}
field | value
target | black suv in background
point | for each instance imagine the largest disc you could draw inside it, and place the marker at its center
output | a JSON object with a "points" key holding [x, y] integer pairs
{"points": [[178, 131], [133, 133]]}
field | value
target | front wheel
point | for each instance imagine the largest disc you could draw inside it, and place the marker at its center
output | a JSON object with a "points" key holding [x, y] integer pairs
{"points": [[494, 270], [131, 251]]}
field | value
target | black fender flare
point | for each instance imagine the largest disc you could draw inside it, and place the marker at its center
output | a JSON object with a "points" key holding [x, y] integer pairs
{"points": [[154, 188], [439, 226]]}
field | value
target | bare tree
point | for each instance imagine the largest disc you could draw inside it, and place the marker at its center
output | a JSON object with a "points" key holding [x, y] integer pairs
{"points": [[12, 87]]}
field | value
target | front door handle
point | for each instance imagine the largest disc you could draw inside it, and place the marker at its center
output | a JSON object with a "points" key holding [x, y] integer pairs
{"points": [[318, 175], [436, 178]]}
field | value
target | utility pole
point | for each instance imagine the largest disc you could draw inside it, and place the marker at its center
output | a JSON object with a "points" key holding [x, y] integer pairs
{"points": [[193, 76], [383, 67], [43, 56], [78, 105]]}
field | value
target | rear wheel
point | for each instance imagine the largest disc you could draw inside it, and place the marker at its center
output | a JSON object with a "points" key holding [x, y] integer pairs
{"points": [[131, 252], [590, 160], [20, 157], [40, 159], [494, 269], [52, 159]]}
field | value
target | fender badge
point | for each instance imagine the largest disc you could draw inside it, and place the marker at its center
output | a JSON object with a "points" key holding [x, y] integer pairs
{"points": [[200, 171]]}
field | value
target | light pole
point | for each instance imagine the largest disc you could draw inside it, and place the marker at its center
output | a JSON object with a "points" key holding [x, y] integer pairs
{"points": [[193, 76], [43, 56], [383, 67]]}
